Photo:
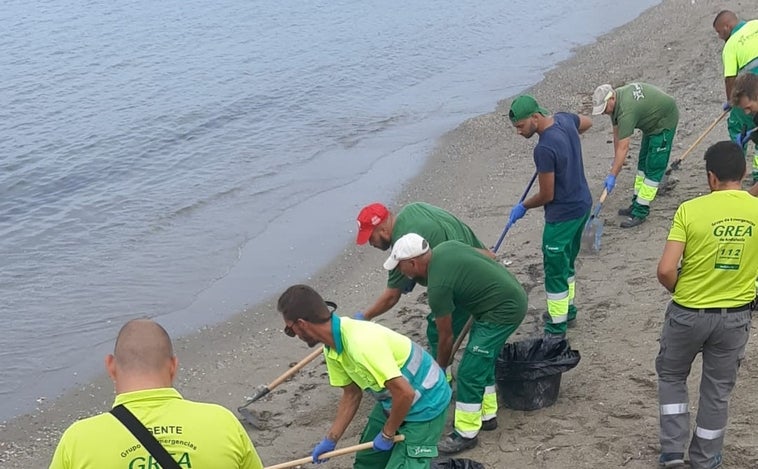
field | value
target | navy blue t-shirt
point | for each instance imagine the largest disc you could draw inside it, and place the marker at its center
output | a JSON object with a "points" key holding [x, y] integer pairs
{"points": [[559, 151]]}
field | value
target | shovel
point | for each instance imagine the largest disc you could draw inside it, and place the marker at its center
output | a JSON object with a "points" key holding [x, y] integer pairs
{"points": [[593, 230], [256, 420], [332, 454]]}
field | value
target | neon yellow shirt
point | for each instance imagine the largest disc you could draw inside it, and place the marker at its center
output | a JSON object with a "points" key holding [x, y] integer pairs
{"points": [[197, 435], [369, 355], [741, 48], [720, 260]]}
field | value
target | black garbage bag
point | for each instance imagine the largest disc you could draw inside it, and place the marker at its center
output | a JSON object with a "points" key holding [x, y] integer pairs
{"points": [[528, 373], [450, 463]]}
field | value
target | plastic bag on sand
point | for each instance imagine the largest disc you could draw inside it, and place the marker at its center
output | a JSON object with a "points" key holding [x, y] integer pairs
{"points": [[534, 359], [449, 463]]}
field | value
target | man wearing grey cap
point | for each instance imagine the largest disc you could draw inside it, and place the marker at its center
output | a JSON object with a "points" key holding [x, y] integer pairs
{"points": [[645, 107], [460, 276]]}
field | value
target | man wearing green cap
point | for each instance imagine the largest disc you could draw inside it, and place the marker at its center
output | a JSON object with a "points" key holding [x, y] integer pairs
{"points": [[645, 107], [564, 194]]}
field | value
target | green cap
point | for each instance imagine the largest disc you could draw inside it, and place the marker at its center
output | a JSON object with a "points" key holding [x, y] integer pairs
{"points": [[524, 106]]}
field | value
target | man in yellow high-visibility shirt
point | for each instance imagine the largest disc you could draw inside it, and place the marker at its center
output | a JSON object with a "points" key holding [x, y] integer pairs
{"points": [[715, 237], [739, 56], [745, 96], [195, 434], [410, 388]]}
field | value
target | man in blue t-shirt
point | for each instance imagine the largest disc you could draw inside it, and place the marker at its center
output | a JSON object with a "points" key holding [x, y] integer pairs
{"points": [[564, 194]]}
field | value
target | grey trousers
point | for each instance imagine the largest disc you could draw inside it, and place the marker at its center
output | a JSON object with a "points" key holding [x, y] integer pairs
{"points": [[721, 337]]}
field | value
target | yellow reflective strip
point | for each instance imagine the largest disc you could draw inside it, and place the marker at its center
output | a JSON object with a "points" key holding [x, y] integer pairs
{"points": [[646, 194], [489, 403], [468, 419]]}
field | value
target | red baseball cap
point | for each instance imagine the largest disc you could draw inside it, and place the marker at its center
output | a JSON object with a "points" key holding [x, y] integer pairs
{"points": [[368, 218]]}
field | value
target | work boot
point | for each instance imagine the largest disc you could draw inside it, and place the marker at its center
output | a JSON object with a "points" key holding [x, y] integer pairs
{"points": [[489, 425], [626, 212], [453, 443], [671, 460], [631, 222]]}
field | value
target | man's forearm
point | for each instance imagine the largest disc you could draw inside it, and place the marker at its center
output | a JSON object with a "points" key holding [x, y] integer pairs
{"points": [[444, 347], [384, 303], [754, 190], [346, 409], [537, 200], [668, 280]]}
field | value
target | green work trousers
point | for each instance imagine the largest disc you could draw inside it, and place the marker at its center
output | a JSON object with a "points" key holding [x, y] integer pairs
{"points": [[561, 243], [737, 122], [476, 399], [460, 318], [655, 151], [415, 452]]}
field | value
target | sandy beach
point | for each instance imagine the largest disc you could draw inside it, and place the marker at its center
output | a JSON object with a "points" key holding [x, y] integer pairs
{"points": [[607, 412]]}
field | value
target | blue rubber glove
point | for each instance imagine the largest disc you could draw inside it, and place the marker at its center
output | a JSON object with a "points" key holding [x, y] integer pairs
{"points": [[359, 316], [744, 137], [726, 106], [324, 446], [516, 213], [383, 444], [610, 183]]}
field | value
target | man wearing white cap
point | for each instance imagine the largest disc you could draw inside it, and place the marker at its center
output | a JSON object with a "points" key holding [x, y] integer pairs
{"points": [[645, 107], [459, 276]]}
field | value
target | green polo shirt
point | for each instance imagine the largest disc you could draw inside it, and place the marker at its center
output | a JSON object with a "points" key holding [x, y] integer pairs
{"points": [[369, 355], [462, 277], [196, 434], [433, 224], [645, 107], [741, 48]]}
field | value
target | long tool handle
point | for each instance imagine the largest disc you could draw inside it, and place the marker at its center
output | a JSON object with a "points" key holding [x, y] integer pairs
{"points": [[599, 205], [459, 340], [509, 224], [679, 160], [331, 454], [286, 375]]}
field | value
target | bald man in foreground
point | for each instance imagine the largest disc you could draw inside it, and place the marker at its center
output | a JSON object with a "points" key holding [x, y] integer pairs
{"points": [[143, 367]]}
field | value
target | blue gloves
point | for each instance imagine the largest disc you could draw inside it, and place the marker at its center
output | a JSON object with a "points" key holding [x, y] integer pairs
{"points": [[324, 446], [516, 213], [726, 106], [744, 137], [382, 443], [610, 183], [359, 316]]}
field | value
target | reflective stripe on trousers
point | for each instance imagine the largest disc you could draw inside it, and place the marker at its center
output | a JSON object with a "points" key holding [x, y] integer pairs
{"points": [[647, 192], [557, 306], [468, 419], [721, 338]]}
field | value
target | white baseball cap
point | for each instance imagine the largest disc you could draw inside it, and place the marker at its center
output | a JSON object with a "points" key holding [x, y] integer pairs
{"points": [[600, 98], [407, 247]]}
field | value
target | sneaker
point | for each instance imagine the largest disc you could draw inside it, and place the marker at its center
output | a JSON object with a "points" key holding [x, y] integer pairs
{"points": [[671, 460], [626, 212], [453, 443], [489, 425], [716, 462], [631, 222]]}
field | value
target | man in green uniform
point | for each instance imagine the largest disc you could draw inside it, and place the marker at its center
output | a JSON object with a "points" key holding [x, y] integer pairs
{"points": [[195, 434], [381, 228], [714, 238], [563, 193], [410, 387], [740, 55], [459, 276], [745, 96], [645, 107]]}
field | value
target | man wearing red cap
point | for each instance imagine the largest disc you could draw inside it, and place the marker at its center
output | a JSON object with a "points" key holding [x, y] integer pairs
{"points": [[381, 228]]}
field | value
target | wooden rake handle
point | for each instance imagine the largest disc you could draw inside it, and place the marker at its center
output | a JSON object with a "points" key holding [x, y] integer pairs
{"points": [[701, 137], [331, 454], [298, 366]]}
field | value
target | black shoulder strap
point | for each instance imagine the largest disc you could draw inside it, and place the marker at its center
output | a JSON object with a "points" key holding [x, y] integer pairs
{"points": [[147, 439]]}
